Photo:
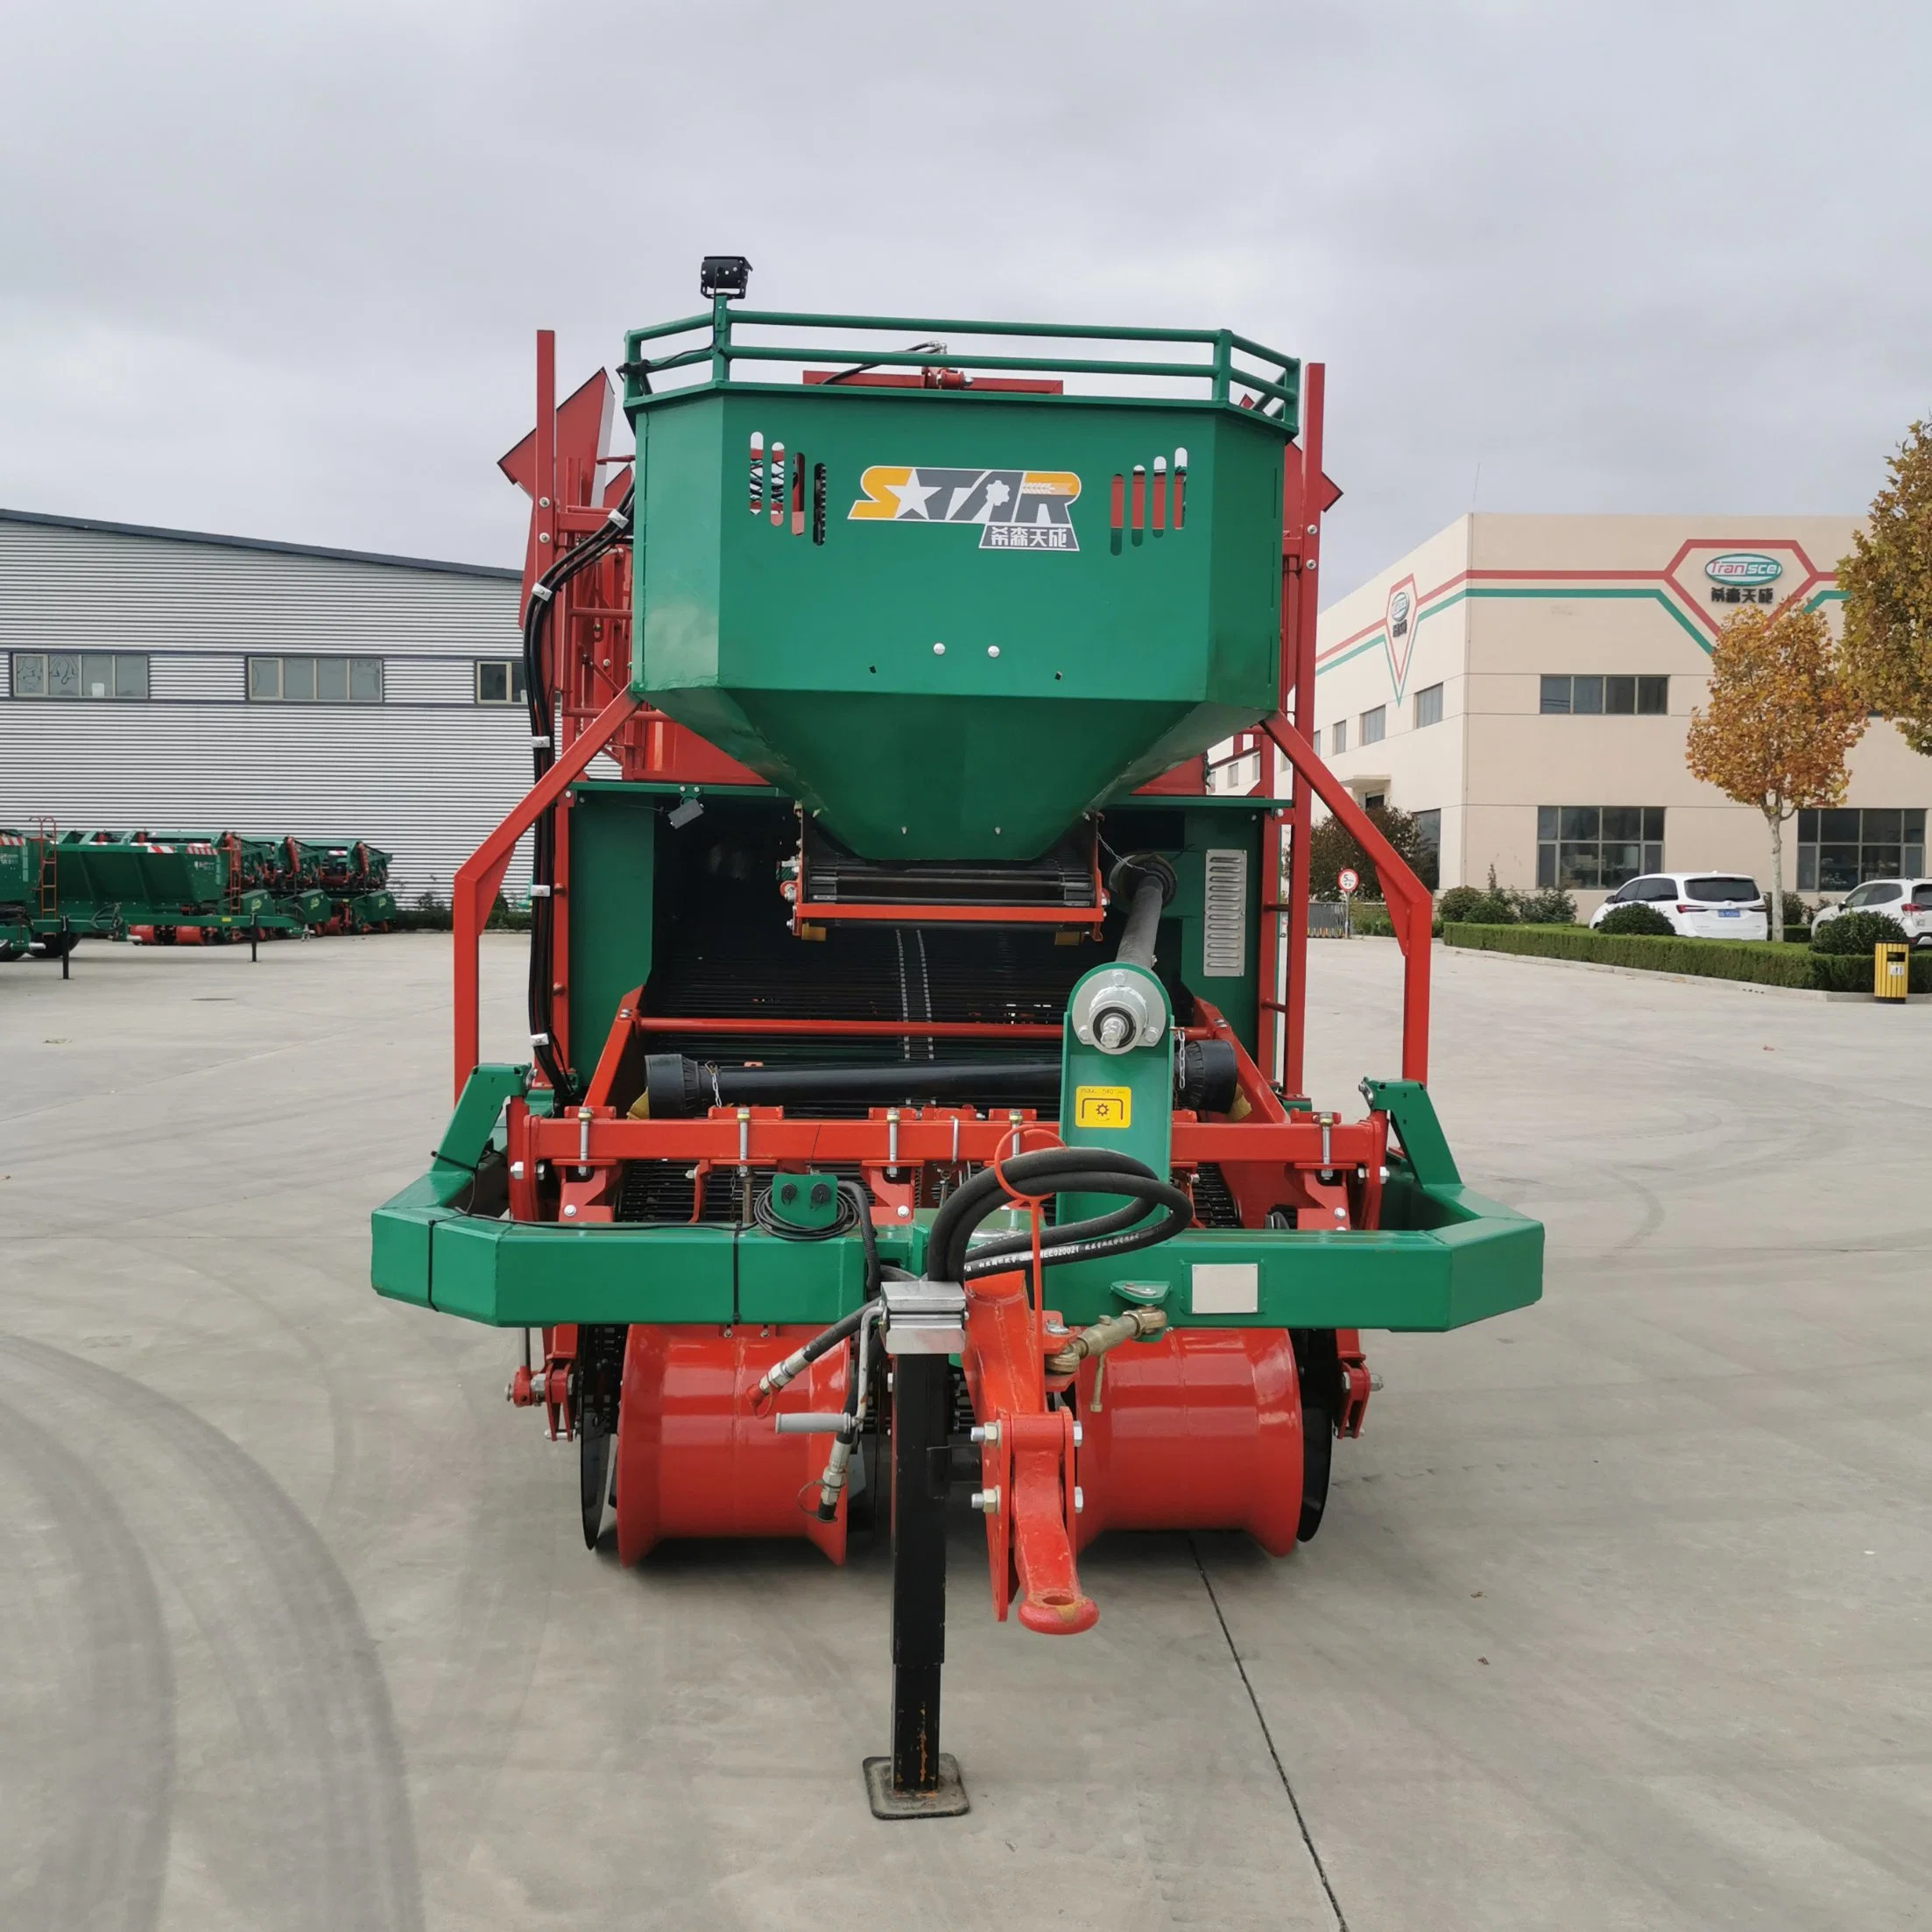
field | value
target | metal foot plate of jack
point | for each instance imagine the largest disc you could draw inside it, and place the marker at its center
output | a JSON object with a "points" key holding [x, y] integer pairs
{"points": [[947, 1799]]}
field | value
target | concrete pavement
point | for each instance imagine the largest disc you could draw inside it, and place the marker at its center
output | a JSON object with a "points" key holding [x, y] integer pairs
{"points": [[1617, 1618]]}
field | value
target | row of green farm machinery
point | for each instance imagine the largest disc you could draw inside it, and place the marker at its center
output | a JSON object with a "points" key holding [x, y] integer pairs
{"points": [[182, 888]]}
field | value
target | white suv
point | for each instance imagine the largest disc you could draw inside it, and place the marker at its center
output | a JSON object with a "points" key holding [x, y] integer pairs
{"points": [[1699, 905], [1907, 900]]}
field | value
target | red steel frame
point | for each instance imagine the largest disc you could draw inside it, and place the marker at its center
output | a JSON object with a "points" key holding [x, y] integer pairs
{"points": [[560, 464]]}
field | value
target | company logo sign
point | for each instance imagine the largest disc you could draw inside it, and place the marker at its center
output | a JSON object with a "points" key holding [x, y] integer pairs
{"points": [[1743, 577], [1744, 567], [1015, 509], [1399, 622]]}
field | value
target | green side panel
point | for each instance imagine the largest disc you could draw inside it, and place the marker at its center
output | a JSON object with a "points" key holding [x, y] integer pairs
{"points": [[1066, 670], [610, 901], [1204, 967], [14, 870], [510, 1276], [477, 1110], [1424, 1145], [781, 1281]]}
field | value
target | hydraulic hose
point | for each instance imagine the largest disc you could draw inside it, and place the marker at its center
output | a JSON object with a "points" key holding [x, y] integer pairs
{"points": [[1055, 1171], [538, 696], [1150, 879]]}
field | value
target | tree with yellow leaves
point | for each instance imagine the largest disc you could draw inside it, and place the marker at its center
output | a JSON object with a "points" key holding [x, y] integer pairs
{"points": [[1887, 585], [1779, 722]]}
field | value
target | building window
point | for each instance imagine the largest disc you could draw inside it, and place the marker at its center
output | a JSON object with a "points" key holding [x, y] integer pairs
{"points": [[499, 680], [1842, 848], [80, 675], [1339, 732], [316, 680], [1592, 847], [1314, 741], [1593, 696], [1375, 725], [1428, 707]]}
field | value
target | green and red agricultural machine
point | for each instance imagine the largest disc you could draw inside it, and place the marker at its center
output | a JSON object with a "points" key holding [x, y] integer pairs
{"points": [[917, 1023]]}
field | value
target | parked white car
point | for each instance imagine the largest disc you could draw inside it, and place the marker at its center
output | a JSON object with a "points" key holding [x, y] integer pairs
{"points": [[1699, 905], [1907, 900]]}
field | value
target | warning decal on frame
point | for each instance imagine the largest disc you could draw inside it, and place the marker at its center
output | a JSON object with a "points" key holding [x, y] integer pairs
{"points": [[1103, 1106]]}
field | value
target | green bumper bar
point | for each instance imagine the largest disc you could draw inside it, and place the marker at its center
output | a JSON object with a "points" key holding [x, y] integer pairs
{"points": [[1446, 1258]]}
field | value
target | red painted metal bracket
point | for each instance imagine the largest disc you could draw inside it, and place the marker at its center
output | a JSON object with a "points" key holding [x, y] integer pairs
{"points": [[480, 877], [1411, 908]]}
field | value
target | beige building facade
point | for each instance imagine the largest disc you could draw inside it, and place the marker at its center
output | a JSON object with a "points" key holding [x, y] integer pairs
{"points": [[1524, 683]]}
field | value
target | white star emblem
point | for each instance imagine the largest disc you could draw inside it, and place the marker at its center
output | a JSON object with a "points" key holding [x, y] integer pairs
{"points": [[912, 496]]}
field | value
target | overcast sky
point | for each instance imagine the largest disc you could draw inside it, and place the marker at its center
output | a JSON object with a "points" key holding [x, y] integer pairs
{"points": [[273, 268]]}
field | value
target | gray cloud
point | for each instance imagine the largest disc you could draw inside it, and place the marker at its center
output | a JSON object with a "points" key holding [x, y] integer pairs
{"points": [[274, 270]]}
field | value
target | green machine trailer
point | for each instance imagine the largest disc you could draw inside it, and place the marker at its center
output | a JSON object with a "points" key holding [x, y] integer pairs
{"points": [[915, 1110], [59, 888]]}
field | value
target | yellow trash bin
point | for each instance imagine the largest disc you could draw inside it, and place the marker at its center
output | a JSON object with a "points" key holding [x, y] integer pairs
{"points": [[1890, 977]]}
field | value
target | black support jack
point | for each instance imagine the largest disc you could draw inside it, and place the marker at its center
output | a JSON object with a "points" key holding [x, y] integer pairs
{"points": [[919, 1780]]}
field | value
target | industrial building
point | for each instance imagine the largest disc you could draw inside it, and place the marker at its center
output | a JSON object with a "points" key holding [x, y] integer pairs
{"points": [[1523, 684], [154, 679]]}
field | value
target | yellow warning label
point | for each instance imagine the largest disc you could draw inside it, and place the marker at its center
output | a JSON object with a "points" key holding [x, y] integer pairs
{"points": [[1103, 1106]]}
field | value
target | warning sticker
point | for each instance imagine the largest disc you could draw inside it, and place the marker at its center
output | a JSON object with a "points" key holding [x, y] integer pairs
{"points": [[1103, 1106]]}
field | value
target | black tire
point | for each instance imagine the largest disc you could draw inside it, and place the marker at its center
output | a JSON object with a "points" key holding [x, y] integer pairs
{"points": [[1317, 1461], [593, 1481]]}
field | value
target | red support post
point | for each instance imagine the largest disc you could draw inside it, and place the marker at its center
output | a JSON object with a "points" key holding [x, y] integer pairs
{"points": [[1299, 611], [481, 876], [1412, 907]]}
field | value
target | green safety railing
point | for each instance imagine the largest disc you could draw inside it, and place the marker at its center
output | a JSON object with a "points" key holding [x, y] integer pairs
{"points": [[1279, 394]]}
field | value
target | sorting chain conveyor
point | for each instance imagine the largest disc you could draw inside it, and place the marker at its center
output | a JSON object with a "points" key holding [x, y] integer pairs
{"points": [[916, 1108]]}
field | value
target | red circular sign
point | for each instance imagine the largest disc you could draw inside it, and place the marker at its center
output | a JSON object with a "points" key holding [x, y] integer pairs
{"points": [[1347, 879]]}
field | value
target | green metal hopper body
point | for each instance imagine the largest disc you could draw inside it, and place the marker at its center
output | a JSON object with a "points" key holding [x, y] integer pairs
{"points": [[949, 620]]}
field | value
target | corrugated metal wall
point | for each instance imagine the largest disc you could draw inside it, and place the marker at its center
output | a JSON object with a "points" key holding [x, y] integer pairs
{"points": [[425, 774]]}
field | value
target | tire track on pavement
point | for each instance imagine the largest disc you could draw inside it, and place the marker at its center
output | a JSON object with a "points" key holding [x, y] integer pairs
{"points": [[101, 1763], [329, 1843]]}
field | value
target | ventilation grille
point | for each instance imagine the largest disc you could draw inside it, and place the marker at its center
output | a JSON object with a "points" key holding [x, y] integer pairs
{"points": [[1224, 955]]}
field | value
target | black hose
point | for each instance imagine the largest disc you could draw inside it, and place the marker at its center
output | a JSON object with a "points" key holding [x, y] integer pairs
{"points": [[679, 1087], [1055, 1171], [1151, 880], [537, 694]]}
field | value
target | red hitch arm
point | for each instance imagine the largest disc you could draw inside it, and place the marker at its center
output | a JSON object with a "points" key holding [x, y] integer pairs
{"points": [[1026, 1462]]}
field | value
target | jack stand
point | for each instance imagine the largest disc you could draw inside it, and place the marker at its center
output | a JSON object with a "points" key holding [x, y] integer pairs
{"points": [[918, 1781]]}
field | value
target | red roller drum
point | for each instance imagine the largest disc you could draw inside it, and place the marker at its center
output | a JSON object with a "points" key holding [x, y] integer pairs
{"points": [[695, 1459], [1200, 1429]]}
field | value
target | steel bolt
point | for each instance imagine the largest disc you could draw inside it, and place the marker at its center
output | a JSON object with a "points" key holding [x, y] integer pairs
{"points": [[1080, 1499], [904, 1213], [1080, 1434], [939, 650], [992, 650], [986, 1501], [985, 1432], [571, 1209]]}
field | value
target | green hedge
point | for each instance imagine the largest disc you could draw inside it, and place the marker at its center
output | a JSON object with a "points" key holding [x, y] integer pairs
{"points": [[1762, 965]]}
